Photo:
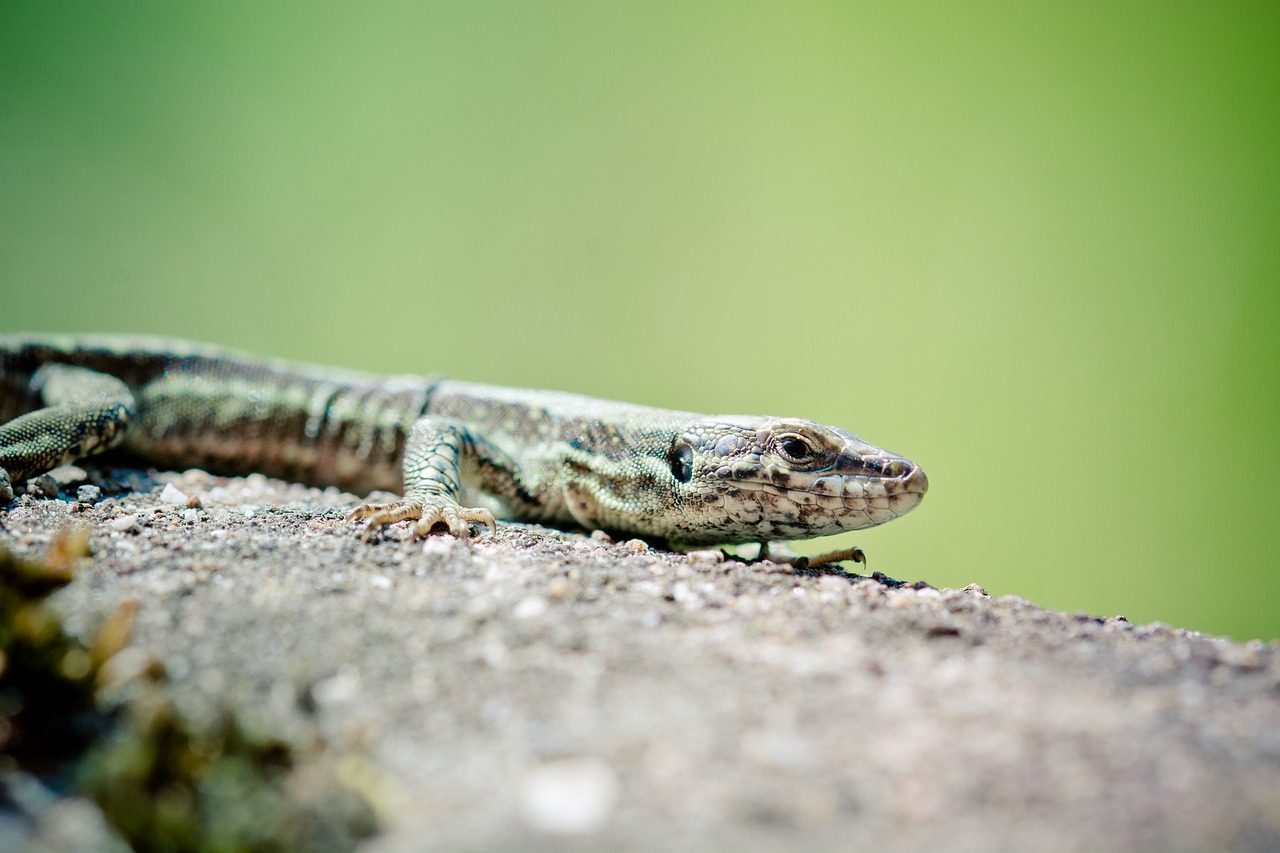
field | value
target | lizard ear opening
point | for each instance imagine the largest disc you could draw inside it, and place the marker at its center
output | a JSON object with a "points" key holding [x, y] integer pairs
{"points": [[680, 458]]}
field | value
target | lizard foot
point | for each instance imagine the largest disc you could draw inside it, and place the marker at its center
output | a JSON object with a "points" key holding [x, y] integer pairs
{"points": [[427, 516], [829, 559]]}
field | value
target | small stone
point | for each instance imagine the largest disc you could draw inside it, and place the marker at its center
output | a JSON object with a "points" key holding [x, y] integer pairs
{"points": [[559, 589], [637, 545], [380, 582], [342, 686], [572, 796], [193, 502], [438, 545], [530, 607], [171, 494], [706, 557], [88, 494], [125, 524], [43, 486], [974, 589], [190, 516]]}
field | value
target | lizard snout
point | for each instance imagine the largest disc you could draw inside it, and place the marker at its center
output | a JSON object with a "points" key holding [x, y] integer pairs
{"points": [[897, 472]]}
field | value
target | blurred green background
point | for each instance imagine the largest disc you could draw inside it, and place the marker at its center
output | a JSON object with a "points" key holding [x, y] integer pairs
{"points": [[1034, 246]]}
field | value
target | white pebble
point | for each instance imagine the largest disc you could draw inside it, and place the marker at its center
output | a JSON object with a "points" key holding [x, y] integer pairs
{"points": [[342, 686], [438, 545], [570, 797], [173, 495], [530, 607], [125, 523]]}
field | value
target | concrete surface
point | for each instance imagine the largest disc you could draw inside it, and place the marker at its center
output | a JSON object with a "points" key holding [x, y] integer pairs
{"points": [[546, 690]]}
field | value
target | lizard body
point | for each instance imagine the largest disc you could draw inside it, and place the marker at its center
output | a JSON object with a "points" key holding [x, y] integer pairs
{"points": [[539, 456]]}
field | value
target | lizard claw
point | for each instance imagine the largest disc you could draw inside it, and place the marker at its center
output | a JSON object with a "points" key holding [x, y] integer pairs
{"points": [[380, 515], [456, 518], [427, 516]]}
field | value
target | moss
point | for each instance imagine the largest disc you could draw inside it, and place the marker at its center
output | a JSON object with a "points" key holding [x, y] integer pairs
{"points": [[48, 709], [161, 782], [166, 785]]}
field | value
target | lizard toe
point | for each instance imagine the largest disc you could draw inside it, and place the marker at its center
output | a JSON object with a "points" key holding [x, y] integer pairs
{"points": [[386, 513], [456, 519], [366, 510], [428, 522], [381, 515], [480, 515]]}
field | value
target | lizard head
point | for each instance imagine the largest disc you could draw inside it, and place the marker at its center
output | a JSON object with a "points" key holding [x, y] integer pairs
{"points": [[786, 478], [734, 478]]}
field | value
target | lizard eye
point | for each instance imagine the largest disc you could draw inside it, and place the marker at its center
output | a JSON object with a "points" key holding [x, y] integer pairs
{"points": [[795, 449], [681, 460]]}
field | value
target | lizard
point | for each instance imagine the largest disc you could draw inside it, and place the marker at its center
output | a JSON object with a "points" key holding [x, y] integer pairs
{"points": [[523, 455]]}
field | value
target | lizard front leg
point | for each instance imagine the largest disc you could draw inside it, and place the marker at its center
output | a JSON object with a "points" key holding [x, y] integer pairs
{"points": [[85, 413], [433, 459]]}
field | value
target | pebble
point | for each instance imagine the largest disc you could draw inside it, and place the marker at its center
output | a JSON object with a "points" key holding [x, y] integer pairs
{"points": [[530, 607], [707, 557], [125, 523], [572, 796], [43, 486], [438, 545], [173, 495], [342, 686], [559, 589], [88, 494]]}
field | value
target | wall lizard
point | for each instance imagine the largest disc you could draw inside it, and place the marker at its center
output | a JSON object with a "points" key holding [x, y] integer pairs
{"points": [[539, 456]]}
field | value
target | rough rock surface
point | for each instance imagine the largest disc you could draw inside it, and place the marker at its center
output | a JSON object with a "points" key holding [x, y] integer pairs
{"points": [[546, 690]]}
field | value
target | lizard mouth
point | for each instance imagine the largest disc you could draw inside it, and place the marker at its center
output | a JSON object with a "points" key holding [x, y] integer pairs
{"points": [[897, 488], [852, 477]]}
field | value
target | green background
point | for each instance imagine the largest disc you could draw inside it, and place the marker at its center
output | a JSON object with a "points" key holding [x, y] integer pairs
{"points": [[1033, 246]]}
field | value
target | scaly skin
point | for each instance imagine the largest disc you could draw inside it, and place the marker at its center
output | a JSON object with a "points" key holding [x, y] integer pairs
{"points": [[539, 456]]}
